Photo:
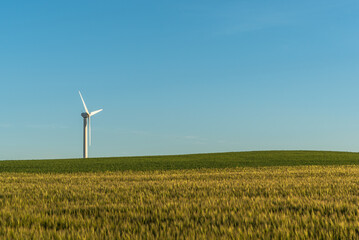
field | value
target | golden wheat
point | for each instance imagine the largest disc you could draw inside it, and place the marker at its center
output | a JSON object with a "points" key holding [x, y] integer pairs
{"points": [[311, 202]]}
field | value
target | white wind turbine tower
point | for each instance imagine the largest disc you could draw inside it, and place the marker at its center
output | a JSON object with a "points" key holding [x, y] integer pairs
{"points": [[86, 115]]}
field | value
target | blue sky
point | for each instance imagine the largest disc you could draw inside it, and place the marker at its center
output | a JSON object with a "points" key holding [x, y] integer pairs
{"points": [[178, 76]]}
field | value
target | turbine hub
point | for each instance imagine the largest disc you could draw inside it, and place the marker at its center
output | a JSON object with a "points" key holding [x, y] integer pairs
{"points": [[84, 115]]}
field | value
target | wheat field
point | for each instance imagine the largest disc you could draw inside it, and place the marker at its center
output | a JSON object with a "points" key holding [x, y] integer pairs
{"points": [[285, 202]]}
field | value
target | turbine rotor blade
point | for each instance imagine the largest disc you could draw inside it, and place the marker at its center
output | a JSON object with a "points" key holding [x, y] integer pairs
{"points": [[84, 103], [90, 130], [95, 112]]}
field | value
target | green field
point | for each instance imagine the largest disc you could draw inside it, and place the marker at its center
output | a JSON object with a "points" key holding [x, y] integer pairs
{"points": [[179, 162], [249, 195]]}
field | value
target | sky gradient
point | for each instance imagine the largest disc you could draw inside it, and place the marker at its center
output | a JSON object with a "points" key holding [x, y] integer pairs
{"points": [[178, 76]]}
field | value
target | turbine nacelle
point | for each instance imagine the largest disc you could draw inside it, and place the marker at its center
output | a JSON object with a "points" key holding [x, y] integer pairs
{"points": [[85, 115]]}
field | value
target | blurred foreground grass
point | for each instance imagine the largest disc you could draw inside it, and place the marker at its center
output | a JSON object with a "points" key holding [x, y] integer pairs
{"points": [[302, 202]]}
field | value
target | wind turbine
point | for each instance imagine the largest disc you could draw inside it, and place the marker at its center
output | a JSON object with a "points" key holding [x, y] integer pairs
{"points": [[86, 115]]}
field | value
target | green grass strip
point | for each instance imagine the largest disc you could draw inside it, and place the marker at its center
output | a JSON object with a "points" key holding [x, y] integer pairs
{"points": [[178, 162]]}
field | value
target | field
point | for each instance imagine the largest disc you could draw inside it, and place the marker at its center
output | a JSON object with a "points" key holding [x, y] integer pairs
{"points": [[179, 162], [258, 195]]}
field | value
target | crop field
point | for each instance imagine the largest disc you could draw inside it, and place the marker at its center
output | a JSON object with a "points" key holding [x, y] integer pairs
{"points": [[179, 162], [274, 201]]}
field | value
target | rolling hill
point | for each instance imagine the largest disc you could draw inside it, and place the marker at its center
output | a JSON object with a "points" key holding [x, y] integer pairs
{"points": [[178, 162]]}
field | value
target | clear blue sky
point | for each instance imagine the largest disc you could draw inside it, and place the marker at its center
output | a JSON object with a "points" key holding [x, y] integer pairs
{"points": [[178, 76]]}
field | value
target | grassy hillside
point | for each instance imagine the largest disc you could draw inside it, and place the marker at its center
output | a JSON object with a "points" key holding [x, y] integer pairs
{"points": [[177, 162]]}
